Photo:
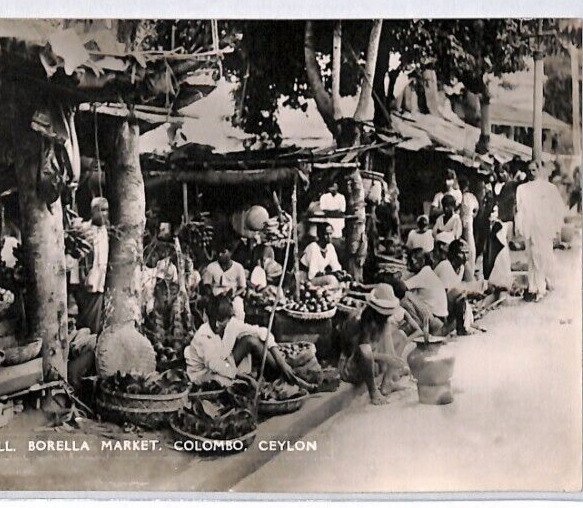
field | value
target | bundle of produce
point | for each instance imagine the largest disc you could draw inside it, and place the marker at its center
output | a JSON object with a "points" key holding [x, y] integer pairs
{"points": [[330, 380], [301, 357], [169, 382], [78, 235], [313, 300], [215, 420], [276, 231], [169, 350], [197, 234], [343, 276]]}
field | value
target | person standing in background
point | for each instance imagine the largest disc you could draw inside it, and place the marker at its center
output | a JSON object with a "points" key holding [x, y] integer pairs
{"points": [[333, 201], [469, 211], [540, 212], [89, 297]]}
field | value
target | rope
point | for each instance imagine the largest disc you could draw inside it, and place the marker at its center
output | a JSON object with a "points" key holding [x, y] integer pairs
{"points": [[271, 318], [97, 149]]}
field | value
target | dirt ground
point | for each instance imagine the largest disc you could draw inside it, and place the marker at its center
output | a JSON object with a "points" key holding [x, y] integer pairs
{"points": [[515, 423]]}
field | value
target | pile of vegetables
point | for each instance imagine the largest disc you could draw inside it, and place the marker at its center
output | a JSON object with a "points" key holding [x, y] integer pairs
{"points": [[168, 349], [280, 390], [228, 416], [155, 383], [276, 232], [208, 386], [312, 299], [301, 357], [350, 301]]}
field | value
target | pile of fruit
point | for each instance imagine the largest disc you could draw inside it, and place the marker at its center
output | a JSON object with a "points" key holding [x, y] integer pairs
{"points": [[357, 287], [226, 417], [343, 276], [197, 233], [168, 349], [280, 390], [155, 383], [312, 299], [350, 301]]}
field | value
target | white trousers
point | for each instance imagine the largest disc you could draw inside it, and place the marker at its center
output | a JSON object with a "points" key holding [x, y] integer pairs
{"points": [[540, 264]]}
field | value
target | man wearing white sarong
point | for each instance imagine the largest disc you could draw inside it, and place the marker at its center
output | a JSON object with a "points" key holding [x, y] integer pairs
{"points": [[539, 217]]}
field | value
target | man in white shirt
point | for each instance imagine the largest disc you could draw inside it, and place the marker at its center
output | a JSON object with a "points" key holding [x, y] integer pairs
{"points": [[422, 237], [320, 258], [540, 213], [426, 285], [90, 296], [220, 349], [226, 276], [333, 201]]}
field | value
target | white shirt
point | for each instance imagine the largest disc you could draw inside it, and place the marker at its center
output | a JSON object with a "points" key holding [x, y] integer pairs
{"points": [[453, 225], [208, 357], [456, 193], [444, 270], [95, 281], [429, 288], [416, 240], [331, 203], [470, 205], [318, 262], [7, 254], [221, 281]]}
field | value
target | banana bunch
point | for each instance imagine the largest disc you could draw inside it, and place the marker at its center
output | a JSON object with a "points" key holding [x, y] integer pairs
{"points": [[78, 235]]}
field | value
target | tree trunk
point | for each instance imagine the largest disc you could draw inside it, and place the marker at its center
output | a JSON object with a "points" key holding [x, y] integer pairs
{"points": [[336, 64], [575, 98], [380, 94], [127, 211], [369, 70], [44, 261], [430, 89], [321, 96], [483, 144]]}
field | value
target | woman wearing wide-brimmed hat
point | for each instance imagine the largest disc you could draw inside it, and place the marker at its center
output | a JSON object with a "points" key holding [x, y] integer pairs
{"points": [[373, 336]]}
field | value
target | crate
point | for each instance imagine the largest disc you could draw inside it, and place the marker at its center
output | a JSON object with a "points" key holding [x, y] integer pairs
{"points": [[20, 377]]}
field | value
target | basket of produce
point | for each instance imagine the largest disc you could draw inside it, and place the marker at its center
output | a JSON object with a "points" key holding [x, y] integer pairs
{"points": [[225, 424], [280, 397], [15, 354], [314, 303], [350, 304], [206, 391], [169, 353], [144, 400], [301, 357]]}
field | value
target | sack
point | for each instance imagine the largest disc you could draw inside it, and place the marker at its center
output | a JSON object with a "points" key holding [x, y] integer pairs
{"points": [[123, 348]]}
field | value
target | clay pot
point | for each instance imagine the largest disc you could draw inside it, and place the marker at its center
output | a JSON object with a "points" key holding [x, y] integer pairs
{"points": [[431, 364]]}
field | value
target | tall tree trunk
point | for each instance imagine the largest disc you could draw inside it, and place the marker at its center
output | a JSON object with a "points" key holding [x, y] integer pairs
{"points": [[336, 64], [380, 93], [483, 144], [321, 96], [430, 89], [127, 210], [44, 259], [369, 70], [575, 97]]}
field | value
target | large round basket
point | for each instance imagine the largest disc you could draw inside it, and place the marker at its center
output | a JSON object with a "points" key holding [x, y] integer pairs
{"points": [[215, 446], [205, 395], [281, 407], [150, 411], [15, 354], [311, 316], [348, 309]]}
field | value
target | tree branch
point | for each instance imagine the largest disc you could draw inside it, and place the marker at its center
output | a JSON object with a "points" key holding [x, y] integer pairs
{"points": [[371, 61]]}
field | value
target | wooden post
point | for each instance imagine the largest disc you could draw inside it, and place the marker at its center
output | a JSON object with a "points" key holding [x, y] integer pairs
{"points": [[336, 64], [295, 236], [128, 217], [537, 113]]}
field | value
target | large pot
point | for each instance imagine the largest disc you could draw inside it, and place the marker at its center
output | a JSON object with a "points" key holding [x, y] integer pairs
{"points": [[431, 364]]}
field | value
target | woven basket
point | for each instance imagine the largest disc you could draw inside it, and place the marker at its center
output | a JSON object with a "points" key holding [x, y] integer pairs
{"points": [[281, 407], [150, 411], [311, 316], [347, 309], [208, 395], [247, 439], [15, 355]]}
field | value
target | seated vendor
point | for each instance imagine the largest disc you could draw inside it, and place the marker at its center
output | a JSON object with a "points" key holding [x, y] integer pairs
{"points": [[320, 259], [451, 273], [370, 338], [225, 276], [450, 220], [422, 237], [219, 349]]}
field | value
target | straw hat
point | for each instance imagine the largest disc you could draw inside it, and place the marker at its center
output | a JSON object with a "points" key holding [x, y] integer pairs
{"points": [[383, 299]]}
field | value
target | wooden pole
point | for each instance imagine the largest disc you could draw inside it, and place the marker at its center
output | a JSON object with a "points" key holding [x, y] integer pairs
{"points": [[336, 64], [295, 237], [184, 202], [537, 114]]}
